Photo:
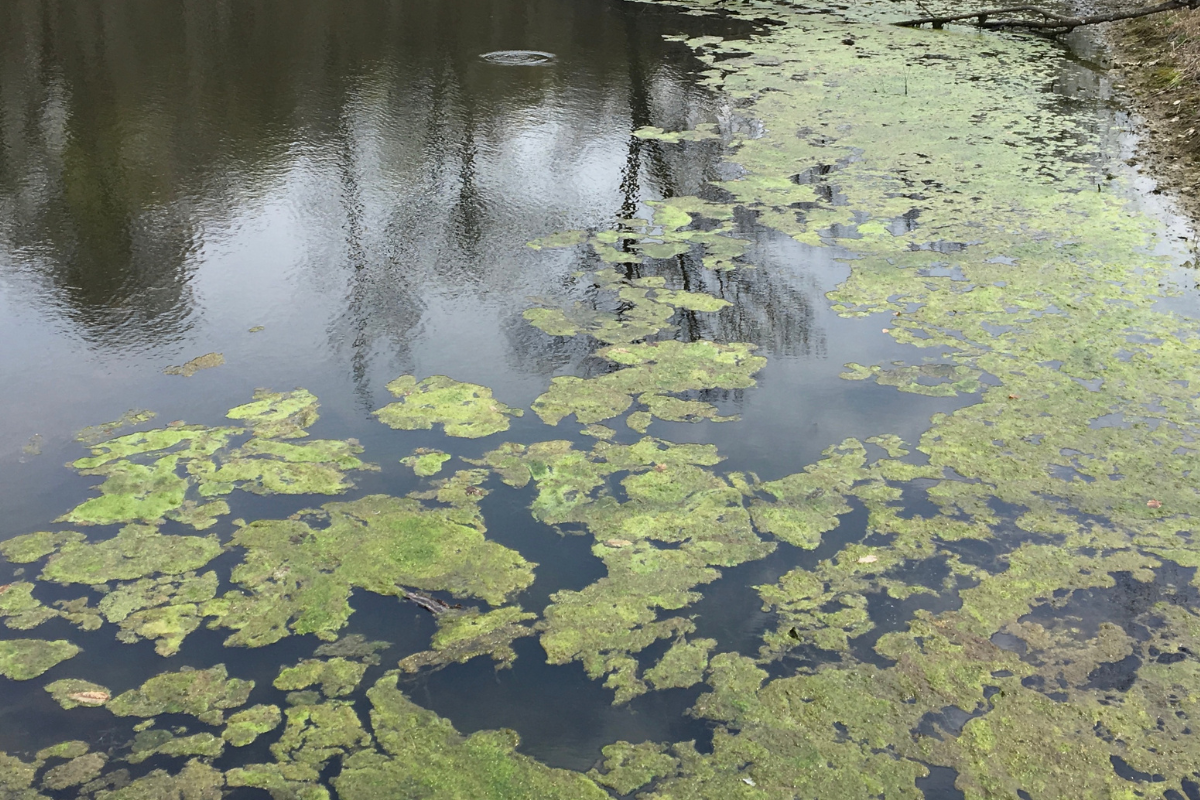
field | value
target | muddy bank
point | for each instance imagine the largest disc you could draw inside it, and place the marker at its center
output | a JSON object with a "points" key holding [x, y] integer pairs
{"points": [[1161, 57]]}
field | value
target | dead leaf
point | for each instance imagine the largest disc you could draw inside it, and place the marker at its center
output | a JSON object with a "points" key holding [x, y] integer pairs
{"points": [[89, 698]]}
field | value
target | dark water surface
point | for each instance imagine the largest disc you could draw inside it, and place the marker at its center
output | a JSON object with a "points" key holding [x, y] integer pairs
{"points": [[352, 177]]}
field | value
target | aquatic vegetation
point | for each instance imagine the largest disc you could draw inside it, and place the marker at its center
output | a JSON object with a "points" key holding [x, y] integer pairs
{"points": [[24, 659], [426, 462], [463, 409], [79, 769], [296, 578], [155, 741], [645, 308], [20, 609], [94, 434], [653, 371], [353, 646], [136, 551], [681, 666], [463, 635], [316, 733], [195, 781], [245, 726], [278, 415], [164, 610], [337, 676], [190, 368], [72, 693], [174, 472], [201, 693], [628, 767], [33, 547], [421, 752]]}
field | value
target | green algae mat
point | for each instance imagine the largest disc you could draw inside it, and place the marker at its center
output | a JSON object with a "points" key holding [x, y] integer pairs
{"points": [[1017, 606]]}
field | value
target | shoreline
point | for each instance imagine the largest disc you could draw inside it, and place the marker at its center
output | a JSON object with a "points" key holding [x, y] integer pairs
{"points": [[1160, 59]]}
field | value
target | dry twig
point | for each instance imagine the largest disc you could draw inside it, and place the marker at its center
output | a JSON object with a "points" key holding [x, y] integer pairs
{"points": [[1044, 21]]}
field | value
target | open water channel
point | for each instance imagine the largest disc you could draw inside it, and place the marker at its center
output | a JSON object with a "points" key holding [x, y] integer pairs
{"points": [[752, 401]]}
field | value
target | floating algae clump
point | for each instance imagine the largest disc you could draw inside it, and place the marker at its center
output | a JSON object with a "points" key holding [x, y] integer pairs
{"points": [[679, 523], [652, 371], [645, 309], [33, 547], [298, 578], [628, 767], [20, 609], [202, 693], [23, 659], [426, 462], [196, 781], [174, 472], [463, 635], [137, 551], [246, 726], [681, 666], [71, 693], [278, 415], [164, 610], [154, 742], [421, 755], [463, 409], [337, 676], [316, 733], [80, 769]]}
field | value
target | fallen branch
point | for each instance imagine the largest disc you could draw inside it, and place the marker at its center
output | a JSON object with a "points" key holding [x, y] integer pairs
{"points": [[1049, 22]]}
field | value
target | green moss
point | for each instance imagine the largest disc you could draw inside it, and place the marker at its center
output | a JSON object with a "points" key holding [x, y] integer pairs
{"points": [[201, 693], [337, 676], [426, 462], [71, 693], [463, 635], [70, 749], [463, 409], [23, 659], [297, 578], [421, 755], [246, 726]]}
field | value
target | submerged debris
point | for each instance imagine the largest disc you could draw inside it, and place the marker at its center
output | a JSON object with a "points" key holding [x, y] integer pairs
{"points": [[190, 368]]}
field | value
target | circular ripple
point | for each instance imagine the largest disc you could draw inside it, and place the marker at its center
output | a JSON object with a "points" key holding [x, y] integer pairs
{"points": [[518, 58]]}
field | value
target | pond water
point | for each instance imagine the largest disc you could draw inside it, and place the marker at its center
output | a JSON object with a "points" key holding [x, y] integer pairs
{"points": [[815, 392]]}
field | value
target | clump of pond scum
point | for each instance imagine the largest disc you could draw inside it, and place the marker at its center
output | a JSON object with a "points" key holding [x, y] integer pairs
{"points": [[882, 653]]}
